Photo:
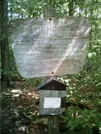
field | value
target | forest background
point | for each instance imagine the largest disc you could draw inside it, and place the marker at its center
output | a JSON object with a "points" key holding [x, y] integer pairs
{"points": [[84, 88]]}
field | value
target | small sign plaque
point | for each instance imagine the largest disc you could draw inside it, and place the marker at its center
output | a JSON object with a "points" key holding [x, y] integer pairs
{"points": [[47, 47], [52, 97], [52, 102]]}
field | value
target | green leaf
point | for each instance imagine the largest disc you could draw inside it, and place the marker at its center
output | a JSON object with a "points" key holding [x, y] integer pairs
{"points": [[98, 86], [91, 55]]}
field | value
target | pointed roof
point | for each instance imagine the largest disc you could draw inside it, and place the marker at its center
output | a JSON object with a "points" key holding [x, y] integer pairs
{"points": [[52, 84]]}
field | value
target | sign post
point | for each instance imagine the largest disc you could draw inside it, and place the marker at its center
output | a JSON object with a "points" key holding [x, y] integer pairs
{"points": [[51, 46], [53, 125], [52, 102]]}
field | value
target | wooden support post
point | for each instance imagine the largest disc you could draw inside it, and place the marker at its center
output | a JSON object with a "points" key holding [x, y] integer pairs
{"points": [[53, 125]]}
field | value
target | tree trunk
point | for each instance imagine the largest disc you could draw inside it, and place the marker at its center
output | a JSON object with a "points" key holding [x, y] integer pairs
{"points": [[5, 58], [71, 10]]}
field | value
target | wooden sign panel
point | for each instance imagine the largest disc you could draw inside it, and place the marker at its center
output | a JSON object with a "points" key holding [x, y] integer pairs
{"points": [[47, 47], [52, 102]]}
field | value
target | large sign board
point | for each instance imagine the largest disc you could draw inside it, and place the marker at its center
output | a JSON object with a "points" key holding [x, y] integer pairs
{"points": [[47, 47]]}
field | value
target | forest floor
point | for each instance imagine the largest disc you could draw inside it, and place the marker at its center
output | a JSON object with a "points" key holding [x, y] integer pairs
{"points": [[20, 112]]}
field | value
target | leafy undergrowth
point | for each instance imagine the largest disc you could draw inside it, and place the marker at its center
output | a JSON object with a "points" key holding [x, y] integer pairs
{"points": [[20, 106], [19, 112]]}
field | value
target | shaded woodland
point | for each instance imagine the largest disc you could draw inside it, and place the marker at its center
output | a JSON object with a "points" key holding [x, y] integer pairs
{"points": [[20, 101]]}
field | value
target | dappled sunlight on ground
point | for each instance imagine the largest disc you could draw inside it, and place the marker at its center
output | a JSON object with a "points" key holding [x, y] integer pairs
{"points": [[21, 115]]}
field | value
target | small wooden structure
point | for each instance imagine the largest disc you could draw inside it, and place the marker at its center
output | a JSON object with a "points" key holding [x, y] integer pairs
{"points": [[52, 102], [52, 97]]}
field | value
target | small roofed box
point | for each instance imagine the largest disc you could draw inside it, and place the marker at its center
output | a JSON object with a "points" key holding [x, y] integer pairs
{"points": [[52, 97]]}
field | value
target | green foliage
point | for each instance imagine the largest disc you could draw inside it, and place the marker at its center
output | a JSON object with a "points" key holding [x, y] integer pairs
{"points": [[83, 120], [25, 8], [30, 115], [83, 101], [84, 88], [34, 82], [77, 118], [5, 99]]}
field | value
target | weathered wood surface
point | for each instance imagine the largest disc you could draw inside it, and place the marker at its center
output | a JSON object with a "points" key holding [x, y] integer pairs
{"points": [[44, 47], [53, 125], [52, 94]]}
